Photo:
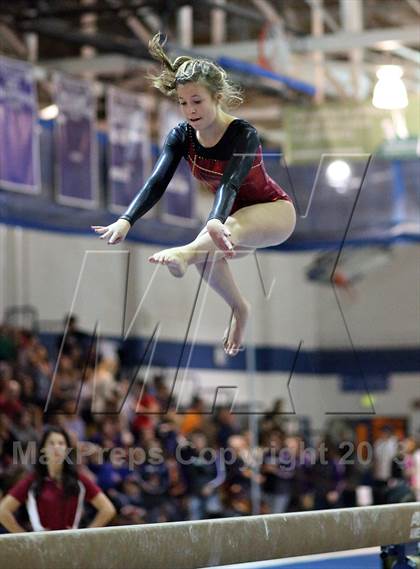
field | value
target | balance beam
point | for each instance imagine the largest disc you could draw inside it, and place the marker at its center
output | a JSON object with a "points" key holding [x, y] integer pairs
{"points": [[193, 545]]}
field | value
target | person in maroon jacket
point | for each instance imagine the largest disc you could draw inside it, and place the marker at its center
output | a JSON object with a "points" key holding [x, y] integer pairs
{"points": [[54, 493], [250, 209]]}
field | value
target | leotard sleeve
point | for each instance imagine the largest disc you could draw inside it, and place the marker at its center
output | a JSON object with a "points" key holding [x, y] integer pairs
{"points": [[160, 177], [243, 155]]}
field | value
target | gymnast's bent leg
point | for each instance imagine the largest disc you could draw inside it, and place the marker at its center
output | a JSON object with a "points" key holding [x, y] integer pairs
{"points": [[260, 225], [255, 226]]}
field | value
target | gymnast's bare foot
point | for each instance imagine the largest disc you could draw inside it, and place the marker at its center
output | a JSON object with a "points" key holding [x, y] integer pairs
{"points": [[234, 335], [175, 259]]}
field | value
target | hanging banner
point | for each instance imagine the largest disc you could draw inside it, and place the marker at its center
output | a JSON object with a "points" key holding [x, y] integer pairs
{"points": [[179, 198], [76, 146], [19, 138], [350, 128], [129, 146]]}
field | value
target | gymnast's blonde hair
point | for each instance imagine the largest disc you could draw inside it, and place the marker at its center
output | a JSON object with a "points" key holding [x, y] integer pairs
{"points": [[185, 69]]}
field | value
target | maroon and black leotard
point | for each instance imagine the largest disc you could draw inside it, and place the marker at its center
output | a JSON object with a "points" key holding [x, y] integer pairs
{"points": [[233, 169]]}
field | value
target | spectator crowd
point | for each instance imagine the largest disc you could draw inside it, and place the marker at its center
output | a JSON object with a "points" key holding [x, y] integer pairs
{"points": [[156, 464]]}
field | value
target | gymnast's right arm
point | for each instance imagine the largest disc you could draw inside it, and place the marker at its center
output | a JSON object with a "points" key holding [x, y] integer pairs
{"points": [[152, 190]]}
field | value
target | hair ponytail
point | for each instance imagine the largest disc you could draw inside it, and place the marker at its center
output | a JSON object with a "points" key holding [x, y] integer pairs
{"points": [[157, 52], [185, 69]]}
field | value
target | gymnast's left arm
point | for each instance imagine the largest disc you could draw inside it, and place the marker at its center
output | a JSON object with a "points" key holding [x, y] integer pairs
{"points": [[238, 167]]}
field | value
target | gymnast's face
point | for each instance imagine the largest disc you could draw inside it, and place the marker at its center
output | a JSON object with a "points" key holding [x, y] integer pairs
{"points": [[197, 104]]}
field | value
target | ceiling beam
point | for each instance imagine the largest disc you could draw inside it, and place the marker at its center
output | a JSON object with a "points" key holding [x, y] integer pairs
{"points": [[233, 9], [404, 52], [138, 29], [328, 19], [415, 4], [318, 56], [136, 25], [218, 24], [62, 31], [8, 36], [328, 43], [408, 53], [343, 41], [269, 12], [352, 21], [185, 26]]}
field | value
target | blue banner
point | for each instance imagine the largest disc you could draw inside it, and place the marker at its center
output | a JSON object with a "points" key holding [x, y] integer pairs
{"points": [[129, 146], [19, 141], [179, 198], [76, 150]]}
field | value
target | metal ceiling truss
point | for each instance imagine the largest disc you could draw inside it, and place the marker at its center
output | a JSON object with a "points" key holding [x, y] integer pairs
{"points": [[47, 19]]}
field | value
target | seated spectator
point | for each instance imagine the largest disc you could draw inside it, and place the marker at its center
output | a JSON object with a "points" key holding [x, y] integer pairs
{"points": [[241, 470], [279, 471], [71, 422], [41, 371], [398, 487], [328, 477], [108, 434], [384, 450], [177, 490], [73, 342], [226, 426], [154, 484], [146, 408], [205, 473], [167, 431], [162, 392], [6, 444], [414, 469], [10, 403], [108, 475], [128, 500], [8, 343], [23, 430], [195, 418], [274, 419]]}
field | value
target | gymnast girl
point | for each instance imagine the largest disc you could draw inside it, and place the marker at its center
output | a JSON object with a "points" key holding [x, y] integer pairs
{"points": [[249, 211]]}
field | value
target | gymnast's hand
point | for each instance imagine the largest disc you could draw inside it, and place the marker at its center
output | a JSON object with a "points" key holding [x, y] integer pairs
{"points": [[116, 232], [220, 235]]}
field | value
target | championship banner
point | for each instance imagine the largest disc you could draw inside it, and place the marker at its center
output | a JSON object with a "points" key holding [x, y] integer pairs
{"points": [[129, 146], [76, 146], [179, 198], [19, 138]]}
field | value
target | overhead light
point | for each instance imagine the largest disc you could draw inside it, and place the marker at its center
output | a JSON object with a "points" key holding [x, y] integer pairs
{"points": [[338, 175], [390, 92], [388, 45], [49, 113]]}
